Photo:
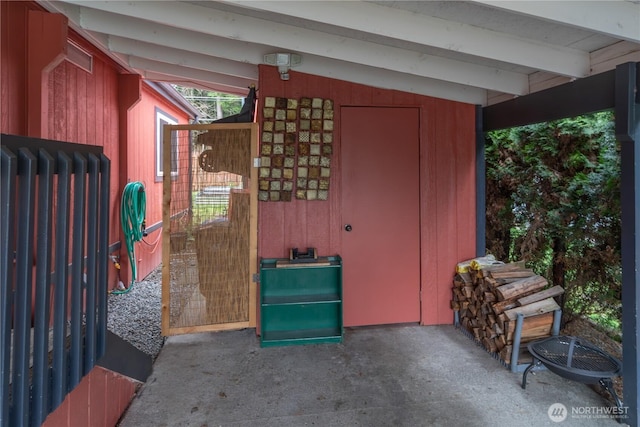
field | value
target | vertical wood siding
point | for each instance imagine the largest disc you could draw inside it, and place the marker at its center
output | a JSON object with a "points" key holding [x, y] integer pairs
{"points": [[141, 136], [447, 185], [13, 46], [98, 400], [84, 108]]}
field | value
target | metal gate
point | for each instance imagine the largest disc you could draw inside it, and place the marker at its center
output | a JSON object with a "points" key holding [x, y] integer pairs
{"points": [[209, 227], [54, 229]]}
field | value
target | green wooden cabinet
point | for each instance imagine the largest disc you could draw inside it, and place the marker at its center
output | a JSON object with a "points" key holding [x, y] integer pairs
{"points": [[300, 303]]}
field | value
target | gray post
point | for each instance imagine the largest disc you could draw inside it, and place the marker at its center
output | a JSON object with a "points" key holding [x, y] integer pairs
{"points": [[515, 349], [557, 317], [627, 113]]}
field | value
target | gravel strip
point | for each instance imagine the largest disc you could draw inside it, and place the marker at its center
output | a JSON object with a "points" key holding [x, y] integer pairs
{"points": [[135, 315]]}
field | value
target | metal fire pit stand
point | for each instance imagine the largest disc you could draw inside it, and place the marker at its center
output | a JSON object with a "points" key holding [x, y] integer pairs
{"points": [[575, 360]]}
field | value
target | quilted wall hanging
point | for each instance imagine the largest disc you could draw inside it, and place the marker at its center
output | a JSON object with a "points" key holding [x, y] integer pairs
{"points": [[296, 148]]}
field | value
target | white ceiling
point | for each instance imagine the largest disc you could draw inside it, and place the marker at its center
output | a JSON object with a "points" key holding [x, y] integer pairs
{"points": [[471, 51]]}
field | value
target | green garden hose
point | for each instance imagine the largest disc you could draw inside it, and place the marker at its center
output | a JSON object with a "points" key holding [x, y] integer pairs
{"points": [[132, 217]]}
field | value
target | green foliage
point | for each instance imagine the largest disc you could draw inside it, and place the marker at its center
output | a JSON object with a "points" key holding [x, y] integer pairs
{"points": [[212, 105], [205, 212], [553, 201]]}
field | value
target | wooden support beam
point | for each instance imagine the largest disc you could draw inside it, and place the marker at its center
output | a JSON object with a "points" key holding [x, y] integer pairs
{"points": [[46, 48], [129, 94], [583, 96]]}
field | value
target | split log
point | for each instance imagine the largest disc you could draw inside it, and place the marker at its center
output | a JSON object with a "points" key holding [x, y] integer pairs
{"points": [[515, 274], [505, 353], [476, 333], [533, 327], [473, 309], [512, 266], [520, 287], [500, 307], [540, 307], [494, 283], [489, 299], [489, 332], [489, 296], [547, 293], [467, 291], [462, 279], [501, 320], [491, 319], [490, 345]]}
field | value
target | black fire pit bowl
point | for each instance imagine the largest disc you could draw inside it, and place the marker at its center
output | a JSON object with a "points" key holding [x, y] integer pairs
{"points": [[576, 360]]}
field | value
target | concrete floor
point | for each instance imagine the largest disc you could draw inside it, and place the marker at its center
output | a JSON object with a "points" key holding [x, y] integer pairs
{"points": [[379, 376]]}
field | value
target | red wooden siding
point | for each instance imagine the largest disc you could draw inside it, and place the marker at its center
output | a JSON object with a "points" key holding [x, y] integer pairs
{"points": [[141, 136], [88, 108], [13, 43], [98, 400], [83, 109], [447, 187], [95, 108]]}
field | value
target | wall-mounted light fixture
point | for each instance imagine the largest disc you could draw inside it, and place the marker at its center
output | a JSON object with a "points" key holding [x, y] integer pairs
{"points": [[284, 61]]}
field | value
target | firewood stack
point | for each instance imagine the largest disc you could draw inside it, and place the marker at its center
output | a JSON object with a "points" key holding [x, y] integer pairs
{"points": [[489, 295]]}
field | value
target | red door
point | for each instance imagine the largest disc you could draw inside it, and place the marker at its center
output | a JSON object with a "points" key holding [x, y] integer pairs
{"points": [[380, 214]]}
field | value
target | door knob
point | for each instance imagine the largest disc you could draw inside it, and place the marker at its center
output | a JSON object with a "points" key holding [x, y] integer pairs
{"points": [[348, 227]]}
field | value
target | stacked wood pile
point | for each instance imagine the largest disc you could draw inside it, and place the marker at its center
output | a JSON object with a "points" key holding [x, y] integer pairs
{"points": [[489, 296]]}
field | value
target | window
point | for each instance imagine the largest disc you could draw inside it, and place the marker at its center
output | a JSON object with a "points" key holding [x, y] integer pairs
{"points": [[162, 119]]}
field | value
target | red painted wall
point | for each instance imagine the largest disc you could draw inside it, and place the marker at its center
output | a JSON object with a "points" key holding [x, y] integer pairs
{"points": [[141, 136], [447, 187], [13, 62], [106, 108], [87, 108], [99, 400], [83, 108]]}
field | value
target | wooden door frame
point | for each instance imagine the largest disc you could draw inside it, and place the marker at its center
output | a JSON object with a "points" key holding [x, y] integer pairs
{"points": [[166, 219]]}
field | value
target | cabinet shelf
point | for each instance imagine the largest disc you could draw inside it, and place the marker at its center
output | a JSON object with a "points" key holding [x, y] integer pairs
{"points": [[305, 336], [296, 299], [300, 304]]}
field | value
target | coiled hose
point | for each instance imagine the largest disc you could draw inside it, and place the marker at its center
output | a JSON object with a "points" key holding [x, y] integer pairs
{"points": [[133, 208]]}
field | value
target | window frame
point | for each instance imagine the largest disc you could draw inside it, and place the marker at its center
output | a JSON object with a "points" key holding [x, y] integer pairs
{"points": [[162, 118]]}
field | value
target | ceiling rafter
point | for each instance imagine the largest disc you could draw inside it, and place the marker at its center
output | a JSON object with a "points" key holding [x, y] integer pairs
{"points": [[439, 33], [462, 51], [126, 27], [243, 53], [189, 82], [182, 57], [615, 18], [244, 28], [386, 79], [237, 84]]}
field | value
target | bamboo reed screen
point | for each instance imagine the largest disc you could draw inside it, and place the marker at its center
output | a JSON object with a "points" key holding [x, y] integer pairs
{"points": [[209, 234]]}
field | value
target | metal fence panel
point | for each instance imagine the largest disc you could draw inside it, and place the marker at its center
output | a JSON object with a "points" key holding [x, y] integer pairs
{"points": [[53, 281]]}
